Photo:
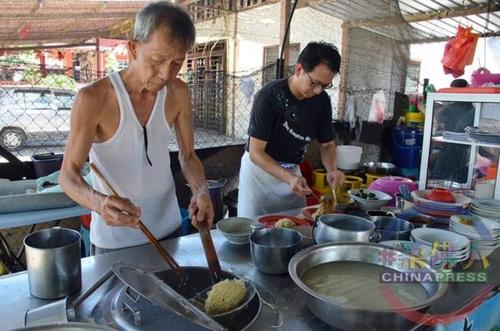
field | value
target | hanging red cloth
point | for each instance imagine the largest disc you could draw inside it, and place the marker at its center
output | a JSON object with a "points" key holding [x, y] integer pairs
{"points": [[459, 51], [25, 31]]}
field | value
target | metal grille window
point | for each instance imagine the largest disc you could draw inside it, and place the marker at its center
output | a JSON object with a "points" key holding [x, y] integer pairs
{"points": [[206, 78], [271, 54]]}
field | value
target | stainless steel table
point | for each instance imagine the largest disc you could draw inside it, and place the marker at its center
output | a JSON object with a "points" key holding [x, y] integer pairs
{"points": [[12, 220], [15, 298]]}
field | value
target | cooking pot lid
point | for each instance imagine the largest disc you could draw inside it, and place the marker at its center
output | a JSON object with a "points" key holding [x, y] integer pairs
{"points": [[155, 290]]}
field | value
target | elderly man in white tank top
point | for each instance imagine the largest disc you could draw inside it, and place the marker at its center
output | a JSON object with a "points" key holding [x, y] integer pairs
{"points": [[124, 123]]}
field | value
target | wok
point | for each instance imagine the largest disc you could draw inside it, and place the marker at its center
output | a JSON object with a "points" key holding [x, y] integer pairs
{"points": [[378, 168]]}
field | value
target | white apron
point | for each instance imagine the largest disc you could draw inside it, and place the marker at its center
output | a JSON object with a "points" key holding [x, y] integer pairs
{"points": [[260, 193]]}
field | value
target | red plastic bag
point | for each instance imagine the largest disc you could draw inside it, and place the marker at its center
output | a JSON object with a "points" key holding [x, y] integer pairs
{"points": [[459, 51]]}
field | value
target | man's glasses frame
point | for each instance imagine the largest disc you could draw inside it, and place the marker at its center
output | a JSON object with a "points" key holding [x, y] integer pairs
{"points": [[314, 83]]}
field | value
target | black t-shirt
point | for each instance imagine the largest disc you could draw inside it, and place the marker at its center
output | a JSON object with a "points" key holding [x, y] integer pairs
{"points": [[288, 124]]}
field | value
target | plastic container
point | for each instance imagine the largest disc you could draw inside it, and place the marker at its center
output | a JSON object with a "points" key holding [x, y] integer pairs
{"points": [[406, 146], [47, 163], [414, 119], [320, 183], [483, 76], [391, 184], [348, 157], [491, 172]]}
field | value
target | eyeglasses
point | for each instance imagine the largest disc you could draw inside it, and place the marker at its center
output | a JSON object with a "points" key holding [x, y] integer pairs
{"points": [[315, 83]]}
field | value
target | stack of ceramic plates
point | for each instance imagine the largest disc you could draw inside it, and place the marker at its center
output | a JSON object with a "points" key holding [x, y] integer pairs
{"points": [[440, 209], [484, 189], [487, 208], [452, 247], [418, 250], [483, 234], [482, 136]]}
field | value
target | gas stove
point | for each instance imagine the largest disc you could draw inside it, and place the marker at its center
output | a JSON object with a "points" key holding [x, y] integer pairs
{"points": [[115, 304]]}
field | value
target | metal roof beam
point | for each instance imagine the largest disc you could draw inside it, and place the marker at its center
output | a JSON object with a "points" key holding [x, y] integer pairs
{"points": [[426, 16]]}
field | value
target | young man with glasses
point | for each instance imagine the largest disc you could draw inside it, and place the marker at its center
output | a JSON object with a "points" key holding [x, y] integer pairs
{"points": [[286, 115]]}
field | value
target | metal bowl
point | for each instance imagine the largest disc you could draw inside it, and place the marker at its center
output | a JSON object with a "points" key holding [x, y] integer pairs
{"points": [[350, 317], [378, 168], [235, 229]]}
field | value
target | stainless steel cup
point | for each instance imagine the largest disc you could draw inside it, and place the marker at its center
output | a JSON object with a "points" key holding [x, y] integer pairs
{"points": [[272, 249], [53, 261]]}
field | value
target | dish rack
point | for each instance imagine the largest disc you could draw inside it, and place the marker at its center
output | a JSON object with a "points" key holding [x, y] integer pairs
{"points": [[473, 115]]}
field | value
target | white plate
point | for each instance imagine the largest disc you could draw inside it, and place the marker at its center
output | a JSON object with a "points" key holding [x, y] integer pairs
{"points": [[478, 229], [460, 199], [478, 223], [483, 252], [478, 238], [490, 203], [485, 210], [492, 216], [456, 255], [430, 235], [481, 233], [415, 249]]}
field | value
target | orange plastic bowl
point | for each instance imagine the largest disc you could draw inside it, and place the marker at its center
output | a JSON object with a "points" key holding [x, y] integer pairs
{"points": [[441, 195]]}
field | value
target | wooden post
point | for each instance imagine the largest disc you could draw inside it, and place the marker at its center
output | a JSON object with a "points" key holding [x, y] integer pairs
{"points": [[285, 13], [343, 71], [98, 59]]}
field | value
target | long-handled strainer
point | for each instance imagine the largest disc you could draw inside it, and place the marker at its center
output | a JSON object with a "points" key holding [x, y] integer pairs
{"points": [[182, 277], [208, 246], [157, 291]]}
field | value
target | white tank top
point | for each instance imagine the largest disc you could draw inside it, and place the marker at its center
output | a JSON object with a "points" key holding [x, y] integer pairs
{"points": [[124, 162]]}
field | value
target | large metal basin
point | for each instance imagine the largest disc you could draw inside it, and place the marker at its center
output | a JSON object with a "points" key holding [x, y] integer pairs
{"points": [[349, 317]]}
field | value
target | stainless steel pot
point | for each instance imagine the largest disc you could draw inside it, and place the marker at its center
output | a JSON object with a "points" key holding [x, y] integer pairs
{"points": [[215, 190], [340, 227], [349, 317], [53, 262], [392, 228], [423, 221], [272, 249]]}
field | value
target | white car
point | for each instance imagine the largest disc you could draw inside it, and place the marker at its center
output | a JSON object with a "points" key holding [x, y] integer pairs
{"points": [[38, 112]]}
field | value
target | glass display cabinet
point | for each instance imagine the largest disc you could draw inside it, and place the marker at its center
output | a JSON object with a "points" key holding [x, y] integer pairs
{"points": [[461, 145]]}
